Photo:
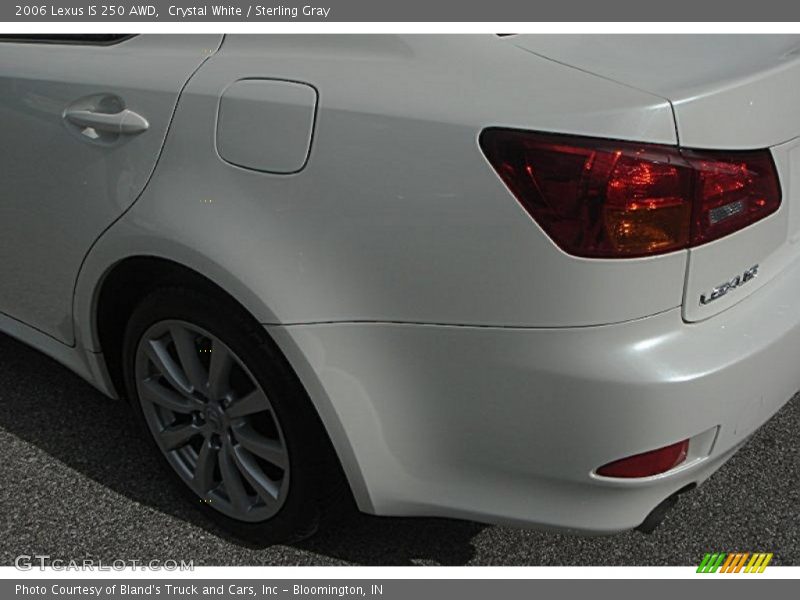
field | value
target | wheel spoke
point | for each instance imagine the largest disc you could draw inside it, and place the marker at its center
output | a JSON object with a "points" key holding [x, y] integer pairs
{"points": [[177, 436], [270, 450], [219, 370], [255, 401], [187, 353], [231, 480], [158, 394], [204, 468], [267, 489], [160, 357]]}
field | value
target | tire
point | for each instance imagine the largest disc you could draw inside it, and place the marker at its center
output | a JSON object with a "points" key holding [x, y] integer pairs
{"points": [[300, 469]]}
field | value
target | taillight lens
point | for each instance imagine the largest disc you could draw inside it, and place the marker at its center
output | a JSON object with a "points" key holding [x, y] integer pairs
{"points": [[607, 199], [646, 464], [733, 190]]}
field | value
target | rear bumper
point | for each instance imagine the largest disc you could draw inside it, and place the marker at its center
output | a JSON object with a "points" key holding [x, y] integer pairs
{"points": [[507, 425]]}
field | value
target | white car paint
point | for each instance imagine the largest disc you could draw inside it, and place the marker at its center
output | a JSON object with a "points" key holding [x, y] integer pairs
{"points": [[743, 94], [61, 193], [462, 363]]}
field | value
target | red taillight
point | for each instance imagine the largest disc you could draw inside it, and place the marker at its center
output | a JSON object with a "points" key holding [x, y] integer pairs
{"points": [[734, 189], [607, 199], [647, 463]]}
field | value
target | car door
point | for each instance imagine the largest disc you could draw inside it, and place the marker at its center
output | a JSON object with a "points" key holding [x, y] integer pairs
{"points": [[82, 122]]}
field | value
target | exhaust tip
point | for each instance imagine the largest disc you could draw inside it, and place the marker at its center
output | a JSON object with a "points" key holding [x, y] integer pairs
{"points": [[657, 515]]}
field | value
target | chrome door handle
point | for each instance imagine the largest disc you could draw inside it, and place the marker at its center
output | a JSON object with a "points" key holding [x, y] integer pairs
{"points": [[124, 122]]}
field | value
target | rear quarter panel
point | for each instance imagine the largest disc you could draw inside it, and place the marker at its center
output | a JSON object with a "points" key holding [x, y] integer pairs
{"points": [[397, 215]]}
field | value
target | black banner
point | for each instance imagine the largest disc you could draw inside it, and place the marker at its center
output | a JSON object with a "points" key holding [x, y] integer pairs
{"points": [[407, 11]]}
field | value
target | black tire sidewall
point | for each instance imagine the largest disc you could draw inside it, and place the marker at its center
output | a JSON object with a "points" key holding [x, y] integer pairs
{"points": [[299, 514]]}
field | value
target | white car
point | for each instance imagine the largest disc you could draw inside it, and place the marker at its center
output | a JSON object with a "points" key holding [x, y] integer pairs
{"points": [[547, 281]]}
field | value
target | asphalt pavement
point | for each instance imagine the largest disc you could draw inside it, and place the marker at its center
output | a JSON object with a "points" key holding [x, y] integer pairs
{"points": [[75, 482]]}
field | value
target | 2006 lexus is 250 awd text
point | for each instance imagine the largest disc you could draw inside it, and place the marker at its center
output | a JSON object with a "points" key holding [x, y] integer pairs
{"points": [[549, 281]]}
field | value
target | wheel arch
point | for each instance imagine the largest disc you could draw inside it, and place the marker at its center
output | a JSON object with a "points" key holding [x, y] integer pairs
{"points": [[125, 282]]}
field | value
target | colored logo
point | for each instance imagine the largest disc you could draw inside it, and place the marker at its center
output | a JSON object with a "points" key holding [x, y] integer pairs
{"points": [[735, 562]]}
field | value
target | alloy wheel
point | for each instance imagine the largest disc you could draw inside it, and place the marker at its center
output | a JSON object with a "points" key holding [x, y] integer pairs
{"points": [[212, 420]]}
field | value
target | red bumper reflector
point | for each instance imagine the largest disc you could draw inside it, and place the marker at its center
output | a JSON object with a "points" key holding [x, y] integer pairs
{"points": [[647, 463]]}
